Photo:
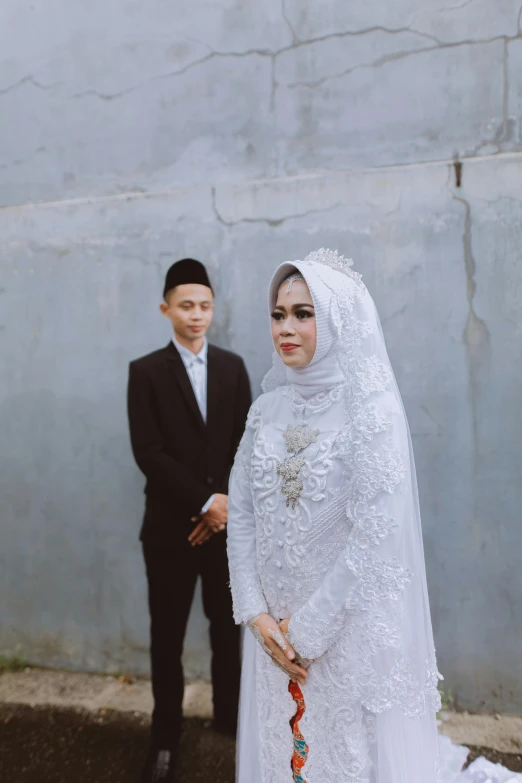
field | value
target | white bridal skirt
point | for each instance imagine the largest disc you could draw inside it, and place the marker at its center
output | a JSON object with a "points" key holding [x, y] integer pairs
{"points": [[452, 757], [247, 758]]}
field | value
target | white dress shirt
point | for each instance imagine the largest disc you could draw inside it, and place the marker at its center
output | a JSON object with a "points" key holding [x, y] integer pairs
{"points": [[196, 367]]}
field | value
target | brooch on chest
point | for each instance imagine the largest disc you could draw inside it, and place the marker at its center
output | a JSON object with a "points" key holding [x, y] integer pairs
{"points": [[296, 439]]}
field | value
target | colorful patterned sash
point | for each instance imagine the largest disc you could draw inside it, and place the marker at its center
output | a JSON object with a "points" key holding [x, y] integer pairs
{"points": [[300, 747]]}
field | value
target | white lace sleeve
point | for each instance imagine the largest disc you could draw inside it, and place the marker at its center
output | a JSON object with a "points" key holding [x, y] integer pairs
{"points": [[314, 627], [247, 594], [370, 575]]}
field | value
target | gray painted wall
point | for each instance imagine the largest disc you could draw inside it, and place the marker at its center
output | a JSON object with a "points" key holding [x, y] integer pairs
{"points": [[132, 134]]}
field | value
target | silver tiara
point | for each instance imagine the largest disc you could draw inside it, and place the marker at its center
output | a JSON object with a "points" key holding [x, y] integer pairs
{"points": [[334, 260]]}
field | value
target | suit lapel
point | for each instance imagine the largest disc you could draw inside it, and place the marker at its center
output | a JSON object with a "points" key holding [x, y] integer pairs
{"points": [[213, 386], [178, 371]]}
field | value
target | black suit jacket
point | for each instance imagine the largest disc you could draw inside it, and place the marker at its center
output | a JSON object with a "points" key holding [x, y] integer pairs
{"points": [[184, 459]]}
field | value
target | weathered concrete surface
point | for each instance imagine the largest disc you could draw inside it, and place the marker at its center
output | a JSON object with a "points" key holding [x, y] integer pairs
{"points": [[129, 96], [221, 131]]}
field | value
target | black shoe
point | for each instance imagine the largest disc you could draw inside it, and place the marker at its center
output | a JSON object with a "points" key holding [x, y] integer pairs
{"points": [[161, 766]]}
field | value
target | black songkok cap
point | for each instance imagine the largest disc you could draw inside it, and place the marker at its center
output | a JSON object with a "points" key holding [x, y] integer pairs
{"points": [[188, 270]]}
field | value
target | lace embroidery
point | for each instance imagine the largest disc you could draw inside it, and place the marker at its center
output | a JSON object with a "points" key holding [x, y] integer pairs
{"points": [[313, 405]]}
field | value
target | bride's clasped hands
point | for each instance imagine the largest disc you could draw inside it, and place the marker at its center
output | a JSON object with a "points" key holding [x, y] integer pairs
{"points": [[272, 638]]}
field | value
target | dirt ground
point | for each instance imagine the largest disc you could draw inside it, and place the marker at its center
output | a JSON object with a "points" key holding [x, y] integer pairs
{"points": [[63, 727], [60, 745]]}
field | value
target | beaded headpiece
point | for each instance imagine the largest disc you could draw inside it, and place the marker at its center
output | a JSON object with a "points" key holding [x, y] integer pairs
{"points": [[291, 279], [334, 260]]}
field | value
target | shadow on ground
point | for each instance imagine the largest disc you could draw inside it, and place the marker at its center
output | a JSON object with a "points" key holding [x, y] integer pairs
{"points": [[56, 745], [512, 761]]}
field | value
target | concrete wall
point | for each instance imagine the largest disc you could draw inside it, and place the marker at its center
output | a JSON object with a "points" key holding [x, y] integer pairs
{"points": [[132, 134]]}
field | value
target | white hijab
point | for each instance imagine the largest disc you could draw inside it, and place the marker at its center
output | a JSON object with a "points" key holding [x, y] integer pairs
{"points": [[323, 371]]}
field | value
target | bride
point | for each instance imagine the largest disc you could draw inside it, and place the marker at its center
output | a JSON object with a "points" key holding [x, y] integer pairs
{"points": [[339, 681]]}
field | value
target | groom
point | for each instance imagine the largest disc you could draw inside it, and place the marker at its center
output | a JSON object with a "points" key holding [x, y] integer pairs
{"points": [[187, 406]]}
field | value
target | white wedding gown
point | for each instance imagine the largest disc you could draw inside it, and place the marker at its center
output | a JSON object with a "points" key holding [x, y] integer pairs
{"points": [[324, 528]]}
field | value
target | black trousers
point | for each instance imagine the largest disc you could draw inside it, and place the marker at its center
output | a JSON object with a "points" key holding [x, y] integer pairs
{"points": [[172, 576]]}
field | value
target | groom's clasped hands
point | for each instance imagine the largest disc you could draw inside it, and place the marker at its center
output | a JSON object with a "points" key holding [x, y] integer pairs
{"points": [[214, 520]]}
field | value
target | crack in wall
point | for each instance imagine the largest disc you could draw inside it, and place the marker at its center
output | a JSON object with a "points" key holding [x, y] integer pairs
{"points": [[163, 76], [436, 422], [272, 222], [362, 31], [395, 314], [444, 9], [217, 54], [455, 7], [399, 56], [263, 52], [506, 130], [273, 86], [143, 193], [295, 37], [363, 66], [27, 80], [108, 96], [476, 336]]}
